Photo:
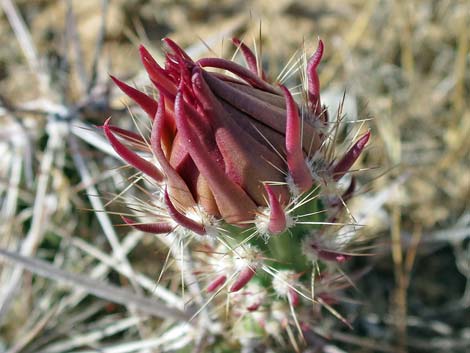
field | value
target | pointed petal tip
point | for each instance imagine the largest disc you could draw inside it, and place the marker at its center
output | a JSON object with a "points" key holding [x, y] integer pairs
{"points": [[277, 217], [181, 219], [148, 104], [129, 156], [317, 56], [350, 157], [296, 163], [153, 228]]}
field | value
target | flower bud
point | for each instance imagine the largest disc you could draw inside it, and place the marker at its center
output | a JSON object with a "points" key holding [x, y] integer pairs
{"points": [[219, 140]]}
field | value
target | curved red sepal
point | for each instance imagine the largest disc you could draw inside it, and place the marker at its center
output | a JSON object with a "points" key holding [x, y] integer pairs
{"points": [[157, 75], [131, 157], [277, 217], [181, 219], [295, 157], [178, 187], [154, 228], [250, 58], [313, 80], [238, 70], [148, 104], [345, 163]]}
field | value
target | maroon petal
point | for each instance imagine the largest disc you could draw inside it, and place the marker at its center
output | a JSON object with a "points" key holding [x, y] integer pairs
{"points": [[272, 139], [250, 58], [234, 205], [148, 104], [238, 70], [181, 219], [131, 157], [154, 228], [178, 189], [266, 113], [158, 76], [176, 49], [345, 163], [273, 99], [277, 217], [135, 139], [313, 80], [247, 161], [295, 157]]}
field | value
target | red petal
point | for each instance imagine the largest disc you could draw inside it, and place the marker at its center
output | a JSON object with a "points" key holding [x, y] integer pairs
{"points": [[345, 163], [158, 76], [295, 157], [247, 161], [135, 139], [238, 70], [268, 114], [178, 189], [148, 104], [277, 216], [272, 139], [154, 228], [131, 157], [250, 58], [181, 219], [313, 80], [234, 205], [176, 49]]}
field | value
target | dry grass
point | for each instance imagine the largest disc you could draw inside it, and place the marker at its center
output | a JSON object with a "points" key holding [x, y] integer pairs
{"points": [[63, 266]]}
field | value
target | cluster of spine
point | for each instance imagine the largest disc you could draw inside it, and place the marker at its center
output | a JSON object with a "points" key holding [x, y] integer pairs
{"points": [[239, 163]]}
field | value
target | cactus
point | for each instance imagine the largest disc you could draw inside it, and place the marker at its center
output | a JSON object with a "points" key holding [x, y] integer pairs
{"points": [[248, 177]]}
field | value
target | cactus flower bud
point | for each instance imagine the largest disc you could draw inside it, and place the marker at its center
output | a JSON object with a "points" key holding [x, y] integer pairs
{"points": [[219, 139]]}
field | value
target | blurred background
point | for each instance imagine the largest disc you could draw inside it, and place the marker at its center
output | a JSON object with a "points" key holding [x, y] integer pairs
{"points": [[403, 65]]}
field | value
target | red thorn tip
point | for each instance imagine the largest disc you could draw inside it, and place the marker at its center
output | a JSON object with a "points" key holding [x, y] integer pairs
{"points": [[298, 168], [350, 157], [154, 228], [182, 219], [148, 104], [243, 278], [216, 283], [131, 157], [277, 217]]}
